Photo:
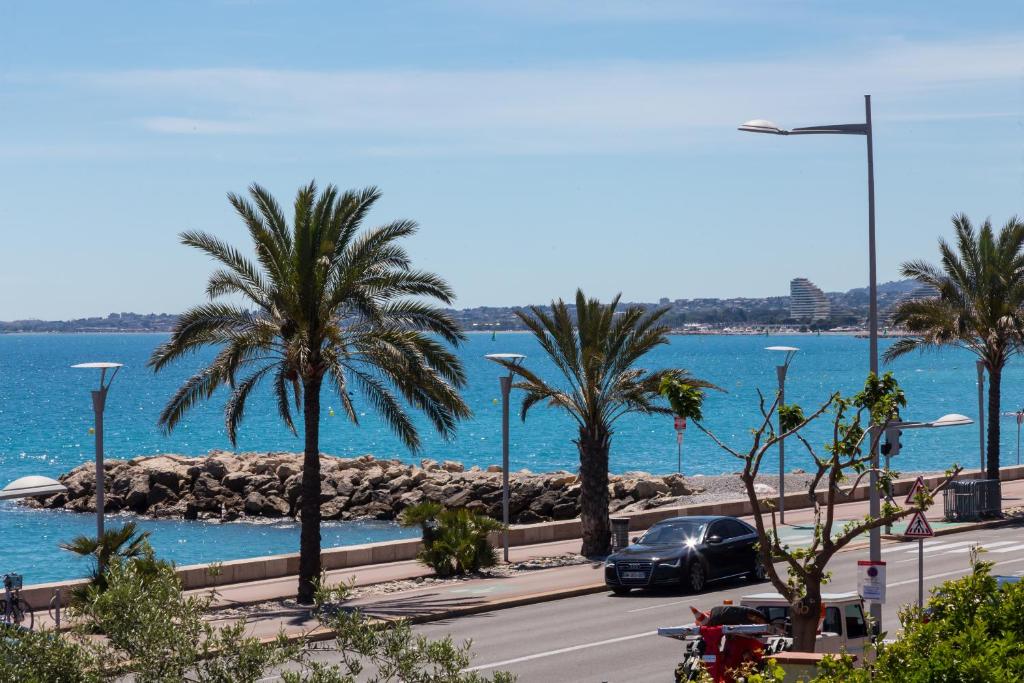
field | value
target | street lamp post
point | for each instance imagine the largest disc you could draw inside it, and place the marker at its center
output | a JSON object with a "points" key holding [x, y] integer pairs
{"points": [[99, 401], [762, 126], [506, 390], [1019, 415], [951, 420], [981, 413], [780, 373]]}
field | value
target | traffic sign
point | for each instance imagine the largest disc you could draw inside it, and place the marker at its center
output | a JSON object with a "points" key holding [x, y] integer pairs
{"points": [[871, 580], [917, 488], [919, 527], [680, 423]]}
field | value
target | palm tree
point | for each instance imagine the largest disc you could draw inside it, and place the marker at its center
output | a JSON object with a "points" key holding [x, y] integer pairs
{"points": [[980, 294], [326, 302], [596, 351], [126, 542]]}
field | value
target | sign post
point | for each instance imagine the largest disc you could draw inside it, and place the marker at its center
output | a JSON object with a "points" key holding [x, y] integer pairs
{"points": [[680, 425], [919, 528]]}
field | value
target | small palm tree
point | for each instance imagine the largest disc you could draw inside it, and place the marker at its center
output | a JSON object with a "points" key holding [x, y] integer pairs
{"points": [[596, 351], [126, 542], [980, 295], [326, 302]]}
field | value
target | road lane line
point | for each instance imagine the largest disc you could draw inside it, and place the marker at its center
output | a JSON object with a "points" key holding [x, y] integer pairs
{"points": [[952, 573], [664, 604], [944, 546], [1011, 549], [954, 551], [560, 651]]}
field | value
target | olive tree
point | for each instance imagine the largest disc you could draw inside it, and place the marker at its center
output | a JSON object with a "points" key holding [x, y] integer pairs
{"points": [[840, 466]]}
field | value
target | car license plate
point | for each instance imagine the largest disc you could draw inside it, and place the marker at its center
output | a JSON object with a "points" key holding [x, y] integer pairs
{"points": [[633, 575]]}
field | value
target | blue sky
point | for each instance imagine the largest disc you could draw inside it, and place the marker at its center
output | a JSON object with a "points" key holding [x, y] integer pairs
{"points": [[542, 145]]}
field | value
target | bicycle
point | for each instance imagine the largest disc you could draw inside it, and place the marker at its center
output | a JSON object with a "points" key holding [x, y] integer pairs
{"points": [[15, 611]]}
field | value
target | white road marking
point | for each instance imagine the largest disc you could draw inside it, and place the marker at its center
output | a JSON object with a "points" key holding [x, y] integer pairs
{"points": [[1012, 548], [664, 604], [943, 546], [954, 551], [560, 651], [952, 573]]}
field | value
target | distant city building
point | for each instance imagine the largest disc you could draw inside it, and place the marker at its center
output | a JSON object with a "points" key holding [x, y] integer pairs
{"points": [[920, 293], [807, 301]]}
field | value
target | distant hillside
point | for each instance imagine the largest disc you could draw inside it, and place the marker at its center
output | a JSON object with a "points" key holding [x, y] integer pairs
{"points": [[848, 308]]}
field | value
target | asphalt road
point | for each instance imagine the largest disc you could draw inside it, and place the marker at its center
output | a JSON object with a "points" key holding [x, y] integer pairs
{"points": [[606, 638], [602, 637]]}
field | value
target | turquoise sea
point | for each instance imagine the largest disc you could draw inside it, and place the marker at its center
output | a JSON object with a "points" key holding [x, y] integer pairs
{"points": [[45, 415]]}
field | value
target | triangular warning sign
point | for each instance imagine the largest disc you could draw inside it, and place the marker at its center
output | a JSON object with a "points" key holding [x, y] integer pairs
{"points": [[918, 527], [917, 488]]}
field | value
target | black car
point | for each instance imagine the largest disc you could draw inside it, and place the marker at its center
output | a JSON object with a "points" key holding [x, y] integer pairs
{"points": [[687, 551]]}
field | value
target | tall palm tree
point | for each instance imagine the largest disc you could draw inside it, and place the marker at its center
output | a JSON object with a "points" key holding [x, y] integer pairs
{"points": [[980, 294], [326, 302], [595, 351]]}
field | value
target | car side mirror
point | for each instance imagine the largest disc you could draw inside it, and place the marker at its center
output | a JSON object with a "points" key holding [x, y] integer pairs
{"points": [[635, 539], [714, 539]]}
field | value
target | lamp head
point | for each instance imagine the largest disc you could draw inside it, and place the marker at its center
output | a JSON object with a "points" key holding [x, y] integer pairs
{"points": [[763, 126], [514, 358]]}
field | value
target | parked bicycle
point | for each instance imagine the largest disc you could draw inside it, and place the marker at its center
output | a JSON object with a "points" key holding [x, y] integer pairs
{"points": [[15, 611]]}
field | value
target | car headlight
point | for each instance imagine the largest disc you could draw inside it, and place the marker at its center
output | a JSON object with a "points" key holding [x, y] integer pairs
{"points": [[672, 563], [609, 564]]}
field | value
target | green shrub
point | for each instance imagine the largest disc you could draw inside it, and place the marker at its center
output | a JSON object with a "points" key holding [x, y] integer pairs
{"points": [[126, 542], [974, 634], [455, 541]]}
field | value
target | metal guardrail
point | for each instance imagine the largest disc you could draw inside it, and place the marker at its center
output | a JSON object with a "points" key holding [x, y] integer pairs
{"points": [[971, 500]]}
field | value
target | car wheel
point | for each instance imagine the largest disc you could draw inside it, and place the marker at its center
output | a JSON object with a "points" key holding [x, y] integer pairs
{"points": [[621, 590], [696, 576], [758, 573]]}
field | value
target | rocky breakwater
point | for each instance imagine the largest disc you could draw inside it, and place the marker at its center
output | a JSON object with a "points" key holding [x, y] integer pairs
{"points": [[225, 486]]}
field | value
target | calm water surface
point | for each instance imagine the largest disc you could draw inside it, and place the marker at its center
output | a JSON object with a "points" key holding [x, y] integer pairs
{"points": [[45, 414]]}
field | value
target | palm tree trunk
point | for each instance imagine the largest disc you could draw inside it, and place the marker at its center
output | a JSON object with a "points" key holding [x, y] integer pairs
{"points": [[309, 540], [995, 378], [593, 446]]}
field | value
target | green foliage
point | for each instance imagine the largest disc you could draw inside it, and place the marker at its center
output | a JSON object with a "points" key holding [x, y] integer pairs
{"points": [[126, 542], [376, 653], [686, 400], [159, 634], [979, 304], [455, 541], [974, 633], [42, 656], [790, 417], [324, 300], [597, 350], [153, 633]]}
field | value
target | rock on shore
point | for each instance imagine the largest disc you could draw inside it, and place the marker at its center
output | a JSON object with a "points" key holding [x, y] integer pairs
{"points": [[227, 486]]}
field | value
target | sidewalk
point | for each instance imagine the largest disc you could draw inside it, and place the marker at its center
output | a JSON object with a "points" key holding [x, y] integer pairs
{"points": [[442, 600]]}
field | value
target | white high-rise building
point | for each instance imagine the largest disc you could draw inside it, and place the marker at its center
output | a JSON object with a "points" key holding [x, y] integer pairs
{"points": [[807, 301]]}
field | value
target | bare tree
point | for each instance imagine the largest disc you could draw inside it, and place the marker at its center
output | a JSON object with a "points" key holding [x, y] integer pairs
{"points": [[857, 425]]}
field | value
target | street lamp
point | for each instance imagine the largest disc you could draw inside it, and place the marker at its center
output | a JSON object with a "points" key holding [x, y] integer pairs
{"points": [[780, 373], [1020, 420], [763, 126], [894, 429], [99, 401], [506, 388]]}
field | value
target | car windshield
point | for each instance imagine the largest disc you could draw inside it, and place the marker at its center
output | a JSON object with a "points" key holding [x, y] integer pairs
{"points": [[676, 533]]}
